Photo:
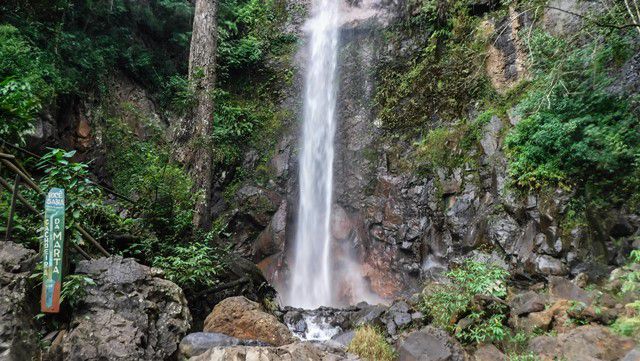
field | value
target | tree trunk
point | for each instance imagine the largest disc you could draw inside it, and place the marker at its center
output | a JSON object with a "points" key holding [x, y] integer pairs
{"points": [[193, 137]]}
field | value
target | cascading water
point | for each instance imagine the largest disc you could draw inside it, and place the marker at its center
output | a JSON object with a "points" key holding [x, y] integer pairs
{"points": [[311, 274]]}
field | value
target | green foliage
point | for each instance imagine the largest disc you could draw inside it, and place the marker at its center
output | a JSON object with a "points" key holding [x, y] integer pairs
{"points": [[194, 266], [629, 325], [28, 81], [87, 40], [370, 344], [235, 122], [74, 289], [450, 146], [575, 133], [440, 82], [448, 303], [61, 172], [631, 281], [143, 169], [246, 34], [179, 95]]}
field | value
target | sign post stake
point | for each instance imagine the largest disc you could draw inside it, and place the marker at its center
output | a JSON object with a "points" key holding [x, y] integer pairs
{"points": [[52, 251]]}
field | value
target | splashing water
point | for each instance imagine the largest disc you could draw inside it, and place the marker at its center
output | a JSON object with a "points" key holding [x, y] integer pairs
{"points": [[311, 280]]}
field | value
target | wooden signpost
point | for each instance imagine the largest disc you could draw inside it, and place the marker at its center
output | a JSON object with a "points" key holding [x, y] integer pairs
{"points": [[52, 251]]}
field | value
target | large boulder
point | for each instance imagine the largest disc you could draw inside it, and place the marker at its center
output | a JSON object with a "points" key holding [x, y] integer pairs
{"points": [[594, 343], [245, 319], [131, 313], [18, 338], [295, 351], [430, 344], [199, 342]]}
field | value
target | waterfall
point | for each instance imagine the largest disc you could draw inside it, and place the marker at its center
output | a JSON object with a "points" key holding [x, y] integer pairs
{"points": [[311, 272]]}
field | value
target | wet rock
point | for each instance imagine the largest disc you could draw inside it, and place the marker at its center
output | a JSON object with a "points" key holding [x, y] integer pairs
{"points": [[295, 321], [344, 338], [272, 239], [340, 223], [397, 316], [429, 344], [369, 315], [582, 343], [245, 319], [18, 335], [130, 313], [197, 343], [294, 351]]}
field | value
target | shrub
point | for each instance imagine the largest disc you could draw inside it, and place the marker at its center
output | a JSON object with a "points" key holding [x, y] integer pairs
{"points": [[575, 133], [631, 281], [28, 82], [448, 303], [143, 169], [194, 266], [74, 289], [61, 172], [369, 344]]}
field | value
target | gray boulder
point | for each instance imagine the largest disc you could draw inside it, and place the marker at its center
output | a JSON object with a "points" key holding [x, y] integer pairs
{"points": [[130, 314], [430, 344]]}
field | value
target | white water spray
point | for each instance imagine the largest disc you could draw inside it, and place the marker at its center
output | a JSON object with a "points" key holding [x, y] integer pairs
{"points": [[311, 274]]}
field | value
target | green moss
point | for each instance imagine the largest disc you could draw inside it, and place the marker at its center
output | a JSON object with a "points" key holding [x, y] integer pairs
{"points": [[450, 147]]}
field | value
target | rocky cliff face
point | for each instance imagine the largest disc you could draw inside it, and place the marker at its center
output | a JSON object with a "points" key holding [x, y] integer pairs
{"points": [[402, 226]]}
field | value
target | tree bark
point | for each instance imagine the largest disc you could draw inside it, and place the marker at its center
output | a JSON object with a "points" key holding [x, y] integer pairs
{"points": [[193, 137]]}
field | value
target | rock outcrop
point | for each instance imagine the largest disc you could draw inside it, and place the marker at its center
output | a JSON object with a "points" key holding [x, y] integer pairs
{"points": [[131, 313], [401, 226], [18, 335], [244, 319]]}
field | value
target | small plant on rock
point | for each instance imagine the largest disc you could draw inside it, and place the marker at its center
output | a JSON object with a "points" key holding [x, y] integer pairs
{"points": [[369, 344], [471, 307]]}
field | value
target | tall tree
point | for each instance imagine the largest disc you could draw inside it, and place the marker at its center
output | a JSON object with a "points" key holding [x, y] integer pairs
{"points": [[193, 135]]}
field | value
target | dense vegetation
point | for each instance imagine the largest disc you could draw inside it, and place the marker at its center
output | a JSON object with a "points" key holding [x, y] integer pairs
{"points": [[574, 131], [57, 55]]}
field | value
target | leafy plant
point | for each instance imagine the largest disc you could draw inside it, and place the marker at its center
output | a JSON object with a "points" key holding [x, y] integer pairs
{"points": [[192, 266], [28, 82], [448, 303], [370, 344], [61, 172], [575, 133], [74, 289], [631, 281]]}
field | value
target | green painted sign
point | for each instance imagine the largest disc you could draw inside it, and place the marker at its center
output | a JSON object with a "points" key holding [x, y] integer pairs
{"points": [[52, 251]]}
